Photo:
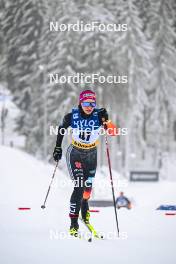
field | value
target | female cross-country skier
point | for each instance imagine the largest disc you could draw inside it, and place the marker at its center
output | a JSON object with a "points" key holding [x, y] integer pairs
{"points": [[85, 121]]}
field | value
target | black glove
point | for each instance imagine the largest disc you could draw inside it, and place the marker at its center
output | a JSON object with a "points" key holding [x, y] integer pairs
{"points": [[57, 154], [103, 114]]}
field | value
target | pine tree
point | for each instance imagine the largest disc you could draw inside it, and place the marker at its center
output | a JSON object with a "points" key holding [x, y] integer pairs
{"points": [[21, 28], [163, 35]]}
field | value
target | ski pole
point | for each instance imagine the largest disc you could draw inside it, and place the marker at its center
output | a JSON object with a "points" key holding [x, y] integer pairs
{"points": [[111, 179], [43, 206]]}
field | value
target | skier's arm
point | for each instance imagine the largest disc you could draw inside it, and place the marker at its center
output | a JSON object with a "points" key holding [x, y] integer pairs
{"points": [[117, 199], [57, 154], [65, 124], [127, 200]]}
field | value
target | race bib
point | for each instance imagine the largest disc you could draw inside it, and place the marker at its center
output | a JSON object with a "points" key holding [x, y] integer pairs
{"points": [[85, 130]]}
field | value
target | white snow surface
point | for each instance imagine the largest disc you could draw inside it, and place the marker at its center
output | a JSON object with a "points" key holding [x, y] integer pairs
{"points": [[36, 236]]}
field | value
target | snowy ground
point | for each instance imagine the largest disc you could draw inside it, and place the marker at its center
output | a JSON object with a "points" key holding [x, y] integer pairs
{"points": [[146, 235]]}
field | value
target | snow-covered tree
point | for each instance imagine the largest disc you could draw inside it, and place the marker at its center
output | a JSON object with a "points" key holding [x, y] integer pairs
{"points": [[21, 27], [162, 82], [30, 51]]}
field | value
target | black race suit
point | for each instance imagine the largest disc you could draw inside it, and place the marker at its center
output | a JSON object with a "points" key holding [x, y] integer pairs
{"points": [[82, 165]]}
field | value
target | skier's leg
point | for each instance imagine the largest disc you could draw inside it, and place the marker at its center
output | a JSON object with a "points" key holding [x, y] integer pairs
{"points": [[84, 208], [90, 164], [76, 172]]}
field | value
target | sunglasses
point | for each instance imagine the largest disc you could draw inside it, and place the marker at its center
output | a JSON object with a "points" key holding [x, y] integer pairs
{"points": [[86, 104]]}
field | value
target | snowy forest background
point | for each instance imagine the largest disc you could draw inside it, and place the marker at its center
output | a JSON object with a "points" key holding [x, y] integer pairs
{"points": [[146, 52]]}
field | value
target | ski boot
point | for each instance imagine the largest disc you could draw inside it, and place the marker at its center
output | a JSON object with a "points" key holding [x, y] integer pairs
{"points": [[74, 227]]}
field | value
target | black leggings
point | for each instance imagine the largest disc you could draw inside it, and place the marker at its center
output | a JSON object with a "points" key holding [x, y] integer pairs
{"points": [[82, 165]]}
